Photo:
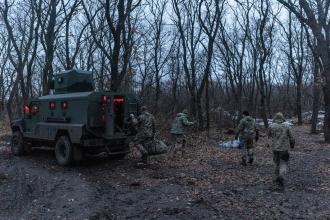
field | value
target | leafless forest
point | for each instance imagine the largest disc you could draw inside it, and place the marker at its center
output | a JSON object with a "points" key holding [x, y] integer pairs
{"points": [[261, 55], [215, 57]]}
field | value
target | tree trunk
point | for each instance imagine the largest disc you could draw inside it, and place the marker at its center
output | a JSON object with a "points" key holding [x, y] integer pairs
{"points": [[200, 111], [175, 73], [102, 70], [326, 91], [10, 100], [298, 101], [263, 110], [262, 96], [316, 97], [157, 95], [316, 107], [207, 105], [193, 104], [50, 48]]}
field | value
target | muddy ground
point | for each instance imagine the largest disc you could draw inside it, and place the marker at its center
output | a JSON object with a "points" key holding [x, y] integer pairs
{"points": [[207, 183]]}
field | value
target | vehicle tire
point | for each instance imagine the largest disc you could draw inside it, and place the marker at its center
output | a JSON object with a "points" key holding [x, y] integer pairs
{"points": [[17, 144], [64, 151]]}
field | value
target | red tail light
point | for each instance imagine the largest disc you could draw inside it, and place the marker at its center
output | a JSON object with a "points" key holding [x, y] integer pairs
{"points": [[26, 109], [104, 102], [104, 99], [52, 105], [64, 105], [118, 99]]}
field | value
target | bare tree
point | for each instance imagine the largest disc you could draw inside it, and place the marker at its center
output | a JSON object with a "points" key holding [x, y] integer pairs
{"points": [[296, 55], [210, 23], [232, 47], [118, 20], [47, 15], [186, 18], [4, 57], [20, 42], [160, 42], [262, 45], [316, 17], [66, 52]]}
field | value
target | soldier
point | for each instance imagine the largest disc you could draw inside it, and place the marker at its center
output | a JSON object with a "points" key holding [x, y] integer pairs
{"points": [[246, 132], [145, 124], [178, 131], [131, 123], [281, 139]]}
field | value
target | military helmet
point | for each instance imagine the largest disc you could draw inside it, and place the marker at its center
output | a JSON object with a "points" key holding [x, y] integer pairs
{"points": [[279, 118]]}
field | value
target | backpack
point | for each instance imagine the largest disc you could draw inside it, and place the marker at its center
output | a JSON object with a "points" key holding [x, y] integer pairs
{"points": [[156, 147], [248, 132]]}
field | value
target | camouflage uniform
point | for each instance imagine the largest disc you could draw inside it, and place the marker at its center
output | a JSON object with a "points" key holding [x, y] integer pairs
{"points": [[281, 139], [145, 132], [247, 132], [178, 131], [131, 123]]}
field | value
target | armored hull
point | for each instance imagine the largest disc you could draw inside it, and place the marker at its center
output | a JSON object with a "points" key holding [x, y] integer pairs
{"points": [[76, 115]]}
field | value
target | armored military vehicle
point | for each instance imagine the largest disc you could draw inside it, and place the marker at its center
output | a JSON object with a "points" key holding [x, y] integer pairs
{"points": [[75, 120]]}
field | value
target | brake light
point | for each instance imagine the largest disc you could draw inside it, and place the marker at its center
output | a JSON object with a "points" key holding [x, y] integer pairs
{"points": [[104, 102], [104, 99], [52, 105], [26, 109], [118, 100], [64, 105]]}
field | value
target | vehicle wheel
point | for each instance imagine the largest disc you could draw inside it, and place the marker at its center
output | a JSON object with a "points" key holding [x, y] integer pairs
{"points": [[17, 144], [64, 151]]}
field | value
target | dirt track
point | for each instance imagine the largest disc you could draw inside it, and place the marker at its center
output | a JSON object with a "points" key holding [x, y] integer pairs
{"points": [[207, 183]]}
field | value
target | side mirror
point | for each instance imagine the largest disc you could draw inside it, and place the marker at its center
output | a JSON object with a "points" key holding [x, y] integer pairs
{"points": [[51, 84]]}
